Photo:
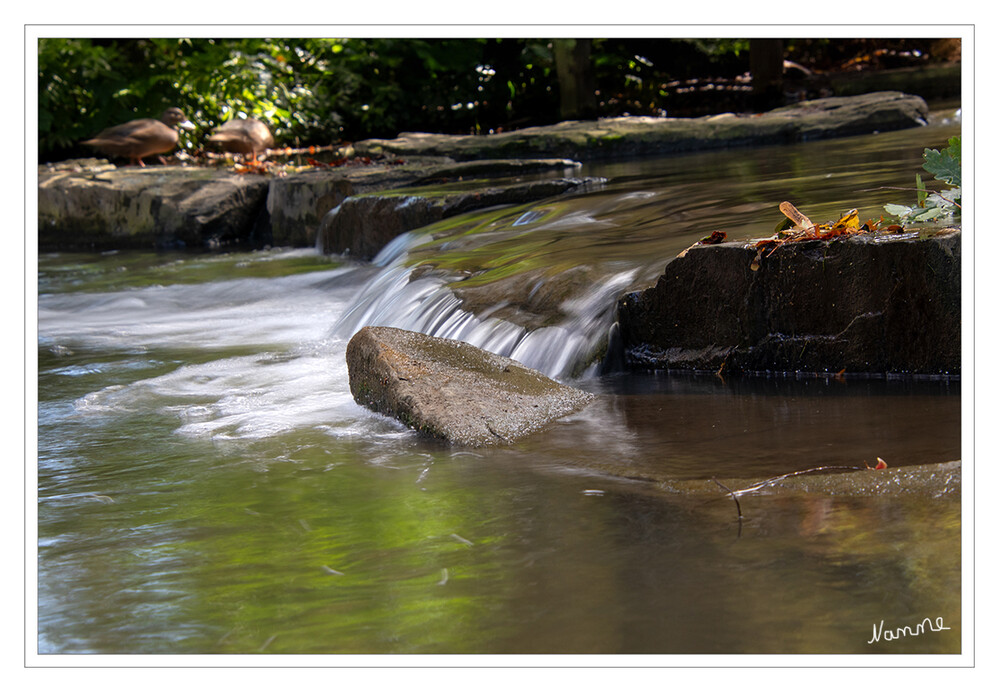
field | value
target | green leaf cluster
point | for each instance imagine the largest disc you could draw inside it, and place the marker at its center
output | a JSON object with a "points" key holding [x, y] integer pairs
{"points": [[945, 166]]}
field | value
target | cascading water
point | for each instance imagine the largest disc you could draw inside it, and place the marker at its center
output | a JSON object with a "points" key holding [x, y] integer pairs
{"points": [[393, 298]]}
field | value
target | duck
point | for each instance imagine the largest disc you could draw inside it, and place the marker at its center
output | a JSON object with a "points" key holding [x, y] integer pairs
{"points": [[249, 137], [138, 139]]}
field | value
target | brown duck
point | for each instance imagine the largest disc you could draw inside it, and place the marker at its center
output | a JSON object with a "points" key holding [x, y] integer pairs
{"points": [[138, 139], [249, 137]]}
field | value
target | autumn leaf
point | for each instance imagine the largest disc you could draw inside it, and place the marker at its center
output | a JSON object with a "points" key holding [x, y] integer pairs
{"points": [[790, 211]]}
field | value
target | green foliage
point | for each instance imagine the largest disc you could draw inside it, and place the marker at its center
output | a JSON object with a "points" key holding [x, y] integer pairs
{"points": [[318, 91], [86, 85], [945, 165], [310, 91], [932, 205], [720, 46], [74, 76]]}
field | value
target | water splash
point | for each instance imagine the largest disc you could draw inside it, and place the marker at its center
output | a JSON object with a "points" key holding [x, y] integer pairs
{"points": [[394, 298]]}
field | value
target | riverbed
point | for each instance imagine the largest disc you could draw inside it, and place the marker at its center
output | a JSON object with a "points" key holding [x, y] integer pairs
{"points": [[207, 485]]}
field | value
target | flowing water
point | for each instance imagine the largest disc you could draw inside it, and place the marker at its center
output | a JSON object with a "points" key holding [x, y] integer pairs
{"points": [[206, 483]]}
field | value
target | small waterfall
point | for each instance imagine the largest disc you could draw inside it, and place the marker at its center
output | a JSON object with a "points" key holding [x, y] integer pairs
{"points": [[392, 299]]}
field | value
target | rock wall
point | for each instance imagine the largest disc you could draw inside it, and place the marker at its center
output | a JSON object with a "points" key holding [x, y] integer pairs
{"points": [[362, 225], [88, 204], [865, 304], [92, 205]]}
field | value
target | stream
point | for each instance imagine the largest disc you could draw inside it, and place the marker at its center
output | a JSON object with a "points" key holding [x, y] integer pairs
{"points": [[207, 485]]}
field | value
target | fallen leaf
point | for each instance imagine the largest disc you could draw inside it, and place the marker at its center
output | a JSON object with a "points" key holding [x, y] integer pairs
{"points": [[791, 212]]}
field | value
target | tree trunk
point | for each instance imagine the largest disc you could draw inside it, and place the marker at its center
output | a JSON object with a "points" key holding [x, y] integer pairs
{"points": [[577, 97], [766, 63]]}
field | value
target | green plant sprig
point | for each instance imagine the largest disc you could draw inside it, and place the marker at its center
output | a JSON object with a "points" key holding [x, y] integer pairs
{"points": [[946, 167]]}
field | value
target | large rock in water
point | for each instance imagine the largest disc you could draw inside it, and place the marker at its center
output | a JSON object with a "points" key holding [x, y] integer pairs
{"points": [[452, 390], [873, 304]]}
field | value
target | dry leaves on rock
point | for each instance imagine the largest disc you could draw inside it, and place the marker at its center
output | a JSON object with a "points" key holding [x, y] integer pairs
{"points": [[797, 227]]}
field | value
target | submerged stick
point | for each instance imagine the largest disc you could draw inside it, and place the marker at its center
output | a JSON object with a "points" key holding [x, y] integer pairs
{"points": [[769, 481], [734, 494], [738, 507]]}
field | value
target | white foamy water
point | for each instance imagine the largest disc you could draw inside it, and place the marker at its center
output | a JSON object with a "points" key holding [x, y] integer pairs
{"points": [[270, 311], [250, 397], [280, 344], [294, 378]]}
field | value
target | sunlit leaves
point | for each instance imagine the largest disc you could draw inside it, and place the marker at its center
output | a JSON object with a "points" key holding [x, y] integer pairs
{"points": [[945, 165], [932, 205]]}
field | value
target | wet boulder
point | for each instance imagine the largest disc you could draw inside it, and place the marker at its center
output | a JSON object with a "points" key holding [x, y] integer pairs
{"points": [[871, 304], [454, 391]]}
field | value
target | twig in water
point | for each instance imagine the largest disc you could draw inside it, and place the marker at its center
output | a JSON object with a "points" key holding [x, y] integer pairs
{"points": [[769, 481], [738, 507], [461, 540], [734, 494]]}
